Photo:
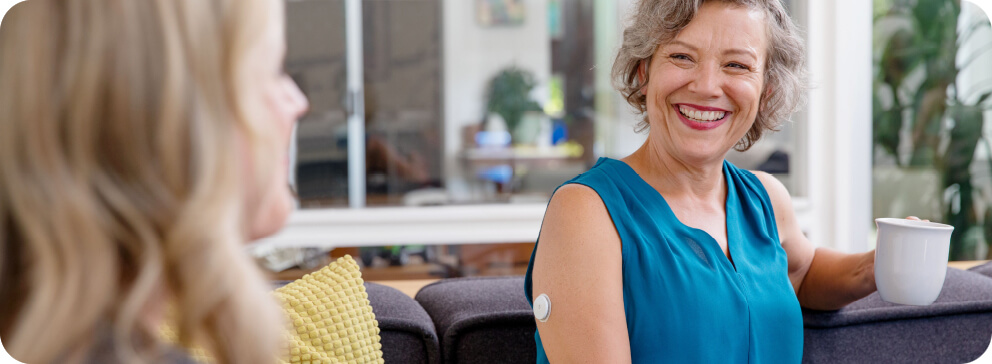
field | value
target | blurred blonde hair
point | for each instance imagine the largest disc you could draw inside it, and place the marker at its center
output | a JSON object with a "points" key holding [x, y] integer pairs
{"points": [[122, 126]]}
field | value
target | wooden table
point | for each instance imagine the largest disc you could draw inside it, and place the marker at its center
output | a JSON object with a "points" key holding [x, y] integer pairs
{"points": [[965, 264], [410, 287]]}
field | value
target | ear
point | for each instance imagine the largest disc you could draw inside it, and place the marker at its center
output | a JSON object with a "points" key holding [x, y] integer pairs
{"points": [[763, 104], [642, 74]]}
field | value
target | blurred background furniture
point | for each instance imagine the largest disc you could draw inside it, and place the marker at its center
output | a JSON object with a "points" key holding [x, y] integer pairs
{"points": [[488, 320]]}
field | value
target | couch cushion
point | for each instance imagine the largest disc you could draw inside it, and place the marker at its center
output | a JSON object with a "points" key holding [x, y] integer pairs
{"points": [[985, 269], [481, 319], [407, 331], [956, 328]]}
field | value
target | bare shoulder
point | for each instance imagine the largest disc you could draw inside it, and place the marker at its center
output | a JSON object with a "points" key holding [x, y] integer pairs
{"points": [[576, 202], [578, 264], [798, 249], [776, 190], [577, 216], [785, 215], [576, 195]]}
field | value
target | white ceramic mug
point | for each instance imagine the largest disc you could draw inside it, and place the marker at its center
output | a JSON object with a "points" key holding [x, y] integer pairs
{"points": [[911, 260]]}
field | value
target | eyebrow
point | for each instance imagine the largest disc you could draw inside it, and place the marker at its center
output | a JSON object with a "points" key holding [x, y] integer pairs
{"points": [[741, 51]]}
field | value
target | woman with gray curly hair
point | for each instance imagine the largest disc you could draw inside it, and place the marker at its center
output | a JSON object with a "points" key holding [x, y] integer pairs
{"points": [[672, 253]]}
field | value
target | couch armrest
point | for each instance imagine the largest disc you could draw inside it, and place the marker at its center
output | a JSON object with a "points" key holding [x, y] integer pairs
{"points": [[481, 319], [984, 269], [954, 329], [406, 331]]}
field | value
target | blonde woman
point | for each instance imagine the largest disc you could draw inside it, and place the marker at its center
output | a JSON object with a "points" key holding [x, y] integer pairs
{"points": [[142, 142]]}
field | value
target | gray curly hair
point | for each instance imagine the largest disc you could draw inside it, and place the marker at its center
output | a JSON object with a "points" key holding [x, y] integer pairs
{"points": [[656, 22]]}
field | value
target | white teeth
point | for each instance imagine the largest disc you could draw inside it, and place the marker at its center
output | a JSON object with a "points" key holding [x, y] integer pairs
{"points": [[701, 116]]}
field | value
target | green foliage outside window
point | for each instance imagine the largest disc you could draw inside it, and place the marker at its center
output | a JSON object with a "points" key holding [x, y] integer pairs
{"points": [[921, 116]]}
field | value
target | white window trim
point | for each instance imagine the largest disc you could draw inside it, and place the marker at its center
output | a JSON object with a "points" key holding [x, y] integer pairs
{"points": [[438, 225], [839, 131], [985, 5], [356, 103]]}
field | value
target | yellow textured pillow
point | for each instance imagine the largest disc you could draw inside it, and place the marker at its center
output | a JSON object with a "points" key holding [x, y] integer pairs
{"points": [[331, 316]]}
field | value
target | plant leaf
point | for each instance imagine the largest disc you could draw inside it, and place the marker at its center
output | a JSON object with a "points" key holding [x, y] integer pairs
{"points": [[984, 97]]}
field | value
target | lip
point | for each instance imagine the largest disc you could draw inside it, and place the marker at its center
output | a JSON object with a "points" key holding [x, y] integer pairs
{"points": [[701, 126], [702, 108]]}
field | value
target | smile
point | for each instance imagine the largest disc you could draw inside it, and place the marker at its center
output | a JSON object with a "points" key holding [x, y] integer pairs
{"points": [[701, 118]]}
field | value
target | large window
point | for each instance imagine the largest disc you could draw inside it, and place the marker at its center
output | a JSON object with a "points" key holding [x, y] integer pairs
{"points": [[932, 121], [452, 121], [461, 102]]}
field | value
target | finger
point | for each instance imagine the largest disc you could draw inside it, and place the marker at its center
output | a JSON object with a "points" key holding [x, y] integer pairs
{"points": [[913, 218]]}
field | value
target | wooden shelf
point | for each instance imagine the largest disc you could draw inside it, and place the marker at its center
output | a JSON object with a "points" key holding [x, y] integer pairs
{"points": [[966, 264]]}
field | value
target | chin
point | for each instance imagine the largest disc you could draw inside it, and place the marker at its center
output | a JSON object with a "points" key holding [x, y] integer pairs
{"points": [[272, 215], [704, 150]]}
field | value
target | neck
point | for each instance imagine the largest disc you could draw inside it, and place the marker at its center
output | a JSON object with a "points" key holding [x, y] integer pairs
{"points": [[677, 178], [153, 312]]}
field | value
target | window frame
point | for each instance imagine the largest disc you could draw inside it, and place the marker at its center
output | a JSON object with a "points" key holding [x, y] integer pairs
{"points": [[833, 161]]}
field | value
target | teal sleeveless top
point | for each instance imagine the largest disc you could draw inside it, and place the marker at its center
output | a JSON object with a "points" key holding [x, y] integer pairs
{"points": [[684, 301]]}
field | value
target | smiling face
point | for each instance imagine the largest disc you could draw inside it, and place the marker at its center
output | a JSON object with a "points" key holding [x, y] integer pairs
{"points": [[705, 86], [281, 102]]}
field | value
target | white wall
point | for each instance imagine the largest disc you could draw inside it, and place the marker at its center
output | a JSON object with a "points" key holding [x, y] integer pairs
{"points": [[473, 54], [838, 137]]}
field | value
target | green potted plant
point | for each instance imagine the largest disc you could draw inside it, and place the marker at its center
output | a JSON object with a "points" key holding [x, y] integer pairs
{"points": [[921, 118], [508, 95]]}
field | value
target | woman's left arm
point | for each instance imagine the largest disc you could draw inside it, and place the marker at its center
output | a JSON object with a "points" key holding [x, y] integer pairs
{"points": [[824, 279]]}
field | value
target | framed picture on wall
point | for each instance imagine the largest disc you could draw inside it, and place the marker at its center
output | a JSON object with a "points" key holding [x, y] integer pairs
{"points": [[498, 13]]}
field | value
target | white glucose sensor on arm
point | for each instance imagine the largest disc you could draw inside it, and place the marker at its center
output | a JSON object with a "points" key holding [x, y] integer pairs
{"points": [[542, 307]]}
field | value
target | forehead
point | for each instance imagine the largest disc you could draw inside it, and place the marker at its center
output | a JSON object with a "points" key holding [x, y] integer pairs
{"points": [[276, 30], [272, 38], [723, 25]]}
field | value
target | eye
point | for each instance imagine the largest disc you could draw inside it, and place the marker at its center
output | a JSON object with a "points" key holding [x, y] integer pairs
{"points": [[681, 57], [738, 66]]}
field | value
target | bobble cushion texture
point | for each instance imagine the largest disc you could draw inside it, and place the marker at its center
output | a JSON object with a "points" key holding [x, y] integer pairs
{"points": [[170, 336], [331, 317]]}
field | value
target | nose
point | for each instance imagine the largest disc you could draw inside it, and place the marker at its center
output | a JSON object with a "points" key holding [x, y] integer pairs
{"points": [[299, 102], [706, 82]]}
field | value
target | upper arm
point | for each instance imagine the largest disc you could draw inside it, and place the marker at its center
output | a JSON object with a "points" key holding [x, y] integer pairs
{"points": [[798, 249], [578, 264]]}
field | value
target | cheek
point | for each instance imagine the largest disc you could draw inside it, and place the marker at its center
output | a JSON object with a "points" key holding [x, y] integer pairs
{"points": [[273, 199], [747, 97], [275, 203], [272, 215], [659, 89]]}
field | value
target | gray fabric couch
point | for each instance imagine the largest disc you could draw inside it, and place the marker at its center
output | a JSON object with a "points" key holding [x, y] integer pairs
{"points": [[487, 320]]}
